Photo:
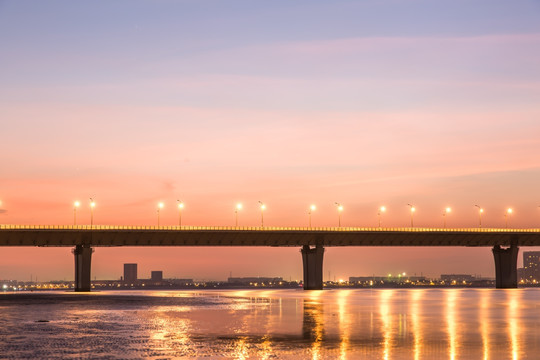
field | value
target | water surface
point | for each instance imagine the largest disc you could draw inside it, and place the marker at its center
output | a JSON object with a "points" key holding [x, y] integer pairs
{"points": [[333, 324]]}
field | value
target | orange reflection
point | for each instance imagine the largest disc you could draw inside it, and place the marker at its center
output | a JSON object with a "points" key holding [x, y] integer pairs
{"points": [[416, 297], [241, 349], [512, 314], [451, 323], [485, 299], [386, 318], [266, 351], [171, 333], [344, 322]]}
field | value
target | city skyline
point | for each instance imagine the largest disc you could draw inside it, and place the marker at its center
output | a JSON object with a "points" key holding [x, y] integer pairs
{"points": [[133, 104]]}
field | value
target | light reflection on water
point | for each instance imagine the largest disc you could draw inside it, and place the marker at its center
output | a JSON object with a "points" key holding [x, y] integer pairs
{"points": [[342, 324], [415, 314], [451, 321]]}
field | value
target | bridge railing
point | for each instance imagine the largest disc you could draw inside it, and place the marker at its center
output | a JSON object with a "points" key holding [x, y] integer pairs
{"points": [[258, 228]]}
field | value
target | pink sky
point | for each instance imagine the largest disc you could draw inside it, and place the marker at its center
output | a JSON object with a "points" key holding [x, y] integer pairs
{"points": [[149, 108]]}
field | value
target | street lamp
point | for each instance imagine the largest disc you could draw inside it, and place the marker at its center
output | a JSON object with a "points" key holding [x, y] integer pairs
{"points": [[446, 211], [339, 209], [180, 207], [508, 212], [413, 209], [92, 206], [238, 207], [263, 207], [76, 204], [381, 210], [480, 211], [311, 209], [159, 207]]}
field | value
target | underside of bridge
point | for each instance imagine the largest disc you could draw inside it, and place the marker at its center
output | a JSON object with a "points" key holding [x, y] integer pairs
{"points": [[312, 260]]}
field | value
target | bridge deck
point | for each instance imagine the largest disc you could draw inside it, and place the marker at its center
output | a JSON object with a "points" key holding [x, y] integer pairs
{"points": [[105, 235]]}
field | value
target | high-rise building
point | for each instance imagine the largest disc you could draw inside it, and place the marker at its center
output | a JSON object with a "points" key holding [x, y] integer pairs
{"points": [[157, 275], [531, 267], [130, 272]]}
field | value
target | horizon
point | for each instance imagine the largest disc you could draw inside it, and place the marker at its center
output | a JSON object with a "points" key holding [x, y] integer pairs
{"points": [[365, 104]]}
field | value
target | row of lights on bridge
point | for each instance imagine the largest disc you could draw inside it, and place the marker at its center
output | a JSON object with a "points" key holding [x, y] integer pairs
{"points": [[312, 208]]}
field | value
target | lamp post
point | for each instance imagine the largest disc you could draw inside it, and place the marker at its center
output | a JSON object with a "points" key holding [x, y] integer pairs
{"points": [[480, 211], [311, 209], [263, 207], [446, 211], [381, 210], [508, 212], [180, 207], [92, 206], [76, 204], [413, 209], [339, 209], [159, 207], [238, 207]]}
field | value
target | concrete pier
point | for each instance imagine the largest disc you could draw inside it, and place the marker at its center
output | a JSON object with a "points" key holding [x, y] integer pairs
{"points": [[312, 259], [505, 266], [83, 261]]}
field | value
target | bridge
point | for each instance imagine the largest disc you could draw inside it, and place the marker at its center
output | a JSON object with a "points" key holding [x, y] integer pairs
{"points": [[312, 241]]}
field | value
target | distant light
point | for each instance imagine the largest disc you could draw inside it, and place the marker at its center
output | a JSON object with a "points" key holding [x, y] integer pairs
{"points": [[4, 286], [341, 280], [509, 210], [313, 207], [403, 274], [92, 204], [383, 208], [389, 275], [160, 205], [448, 209], [340, 208], [76, 204], [180, 205], [239, 206], [413, 209]]}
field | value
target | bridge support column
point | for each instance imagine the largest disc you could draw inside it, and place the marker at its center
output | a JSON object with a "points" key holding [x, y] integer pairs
{"points": [[312, 259], [83, 260], [505, 266]]}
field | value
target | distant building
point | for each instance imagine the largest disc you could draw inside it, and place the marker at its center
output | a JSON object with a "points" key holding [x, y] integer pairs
{"points": [[458, 278], [181, 282], [130, 272], [157, 276], [530, 273], [385, 279], [253, 280]]}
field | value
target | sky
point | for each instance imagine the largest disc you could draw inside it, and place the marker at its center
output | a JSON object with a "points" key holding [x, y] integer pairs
{"points": [[363, 103]]}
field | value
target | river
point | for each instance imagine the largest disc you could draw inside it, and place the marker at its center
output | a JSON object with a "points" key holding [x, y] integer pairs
{"points": [[273, 324]]}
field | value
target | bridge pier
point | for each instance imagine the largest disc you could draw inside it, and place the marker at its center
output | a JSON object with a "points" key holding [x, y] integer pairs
{"points": [[83, 261], [312, 259], [505, 266]]}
